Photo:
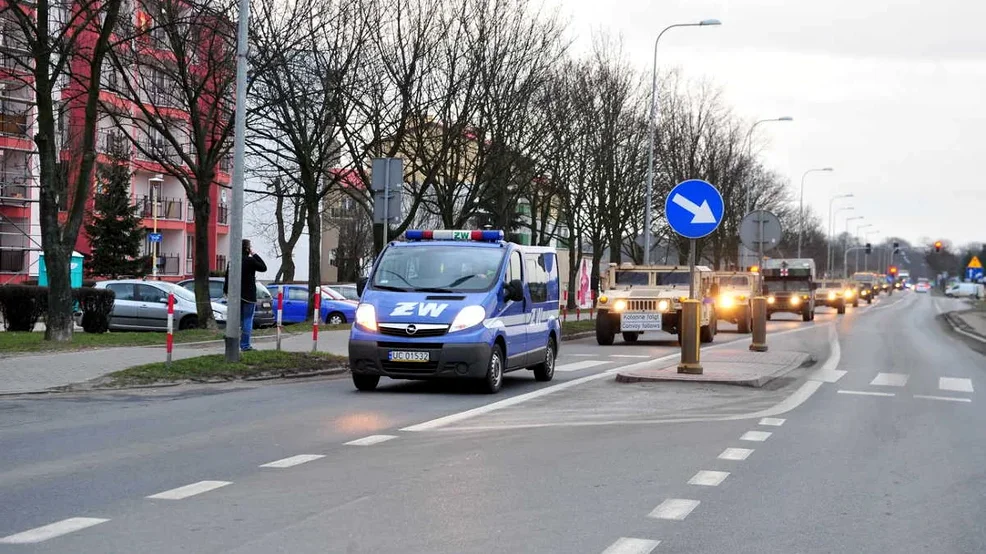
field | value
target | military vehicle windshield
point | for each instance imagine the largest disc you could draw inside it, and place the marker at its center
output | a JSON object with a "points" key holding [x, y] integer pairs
{"points": [[639, 278], [737, 281]]}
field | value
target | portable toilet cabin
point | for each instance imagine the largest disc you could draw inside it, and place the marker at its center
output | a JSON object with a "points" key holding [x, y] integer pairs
{"points": [[75, 271]]}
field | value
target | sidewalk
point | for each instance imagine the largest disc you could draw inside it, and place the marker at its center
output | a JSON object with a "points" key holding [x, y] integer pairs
{"points": [[40, 372], [975, 321]]}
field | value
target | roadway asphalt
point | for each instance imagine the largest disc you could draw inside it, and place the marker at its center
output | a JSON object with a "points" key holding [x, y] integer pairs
{"points": [[886, 457]]}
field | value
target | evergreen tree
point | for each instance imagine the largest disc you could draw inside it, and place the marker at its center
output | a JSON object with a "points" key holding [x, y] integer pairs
{"points": [[115, 230]]}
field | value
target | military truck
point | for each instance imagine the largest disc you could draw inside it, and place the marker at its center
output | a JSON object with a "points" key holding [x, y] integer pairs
{"points": [[867, 284], [645, 299], [736, 290], [789, 285], [833, 294]]}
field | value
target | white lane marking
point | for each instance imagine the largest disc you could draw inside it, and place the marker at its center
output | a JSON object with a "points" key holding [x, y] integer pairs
{"points": [[796, 399], [371, 440], [938, 307], [583, 355], [52, 530], [293, 460], [189, 490], [626, 545], [865, 393], [946, 398], [755, 436], [674, 508], [736, 454], [890, 379], [708, 478], [827, 375], [772, 421], [576, 366], [628, 356], [956, 384]]}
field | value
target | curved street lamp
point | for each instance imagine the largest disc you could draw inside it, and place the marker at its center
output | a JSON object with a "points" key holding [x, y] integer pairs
{"points": [[801, 204], [652, 129], [828, 253]]}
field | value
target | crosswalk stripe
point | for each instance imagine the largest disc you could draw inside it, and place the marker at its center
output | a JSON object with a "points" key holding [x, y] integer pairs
{"points": [[674, 508], [956, 384], [189, 490], [370, 440], [626, 545], [755, 436], [772, 421], [737, 454], [52, 530], [293, 461], [890, 379], [576, 366], [827, 375], [708, 478]]}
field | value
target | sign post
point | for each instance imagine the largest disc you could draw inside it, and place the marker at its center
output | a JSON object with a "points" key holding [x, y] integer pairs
{"points": [[386, 202], [694, 209]]}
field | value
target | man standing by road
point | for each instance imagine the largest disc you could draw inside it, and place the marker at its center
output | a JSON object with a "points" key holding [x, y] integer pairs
{"points": [[252, 263]]}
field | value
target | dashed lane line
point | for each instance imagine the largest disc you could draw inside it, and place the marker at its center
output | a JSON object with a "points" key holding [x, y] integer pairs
{"points": [[827, 375], [675, 509], [772, 421], [628, 356], [945, 398], [706, 478], [955, 384], [736, 454], [890, 380], [865, 393], [577, 366], [182, 493], [371, 440], [626, 545], [755, 436], [293, 461], [52, 530]]}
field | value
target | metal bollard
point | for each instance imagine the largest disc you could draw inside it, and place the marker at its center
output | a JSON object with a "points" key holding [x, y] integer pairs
{"points": [[171, 327], [759, 307], [280, 315], [315, 317], [690, 322]]}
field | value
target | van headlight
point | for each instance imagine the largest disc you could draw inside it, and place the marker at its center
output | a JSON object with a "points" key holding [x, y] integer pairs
{"points": [[366, 317], [470, 316]]}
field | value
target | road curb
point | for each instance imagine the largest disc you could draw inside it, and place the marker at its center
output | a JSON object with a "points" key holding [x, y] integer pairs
{"points": [[578, 336], [805, 360], [958, 325]]}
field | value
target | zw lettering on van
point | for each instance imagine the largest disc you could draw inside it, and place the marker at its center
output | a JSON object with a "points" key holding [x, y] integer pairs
{"points": [[537, 315], [424, 309]]}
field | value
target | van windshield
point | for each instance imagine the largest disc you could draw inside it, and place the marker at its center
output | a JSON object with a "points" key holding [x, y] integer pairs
{"points": [[438, 268]]}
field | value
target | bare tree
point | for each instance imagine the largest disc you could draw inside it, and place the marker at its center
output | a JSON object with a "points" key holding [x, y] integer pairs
{"points": [[57, 48]]}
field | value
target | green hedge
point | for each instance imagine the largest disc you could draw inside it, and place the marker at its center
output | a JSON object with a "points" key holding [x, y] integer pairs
{"points": [[22, 306]]}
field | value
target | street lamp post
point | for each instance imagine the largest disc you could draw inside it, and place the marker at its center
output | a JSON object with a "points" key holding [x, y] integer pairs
{"points": [[653, 129], [845, 244], [801, 204], [740, 258], [858, 229], [866, 259], [828, 252]]}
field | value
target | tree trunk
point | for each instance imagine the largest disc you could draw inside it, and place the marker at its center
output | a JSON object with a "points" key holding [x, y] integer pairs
{"points": [[314, 253], [200, 264], [58, 321], [286, 272], [574, 248]]}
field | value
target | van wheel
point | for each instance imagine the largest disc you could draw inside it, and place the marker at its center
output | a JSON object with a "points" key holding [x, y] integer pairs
{"points": [[744, 324], [545, 370], [494, 371], [604, 330], [365, 382], [630, 336]]}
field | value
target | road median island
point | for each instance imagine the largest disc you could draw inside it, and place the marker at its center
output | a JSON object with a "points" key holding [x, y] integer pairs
{"points": [[253, 365], [574, 330], [727, 367]]}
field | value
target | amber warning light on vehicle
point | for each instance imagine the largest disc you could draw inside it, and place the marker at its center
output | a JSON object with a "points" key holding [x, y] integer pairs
{"points": [[937, 246]]}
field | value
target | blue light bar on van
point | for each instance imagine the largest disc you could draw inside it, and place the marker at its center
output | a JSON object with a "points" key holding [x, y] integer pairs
{"points": [[447, 234]]}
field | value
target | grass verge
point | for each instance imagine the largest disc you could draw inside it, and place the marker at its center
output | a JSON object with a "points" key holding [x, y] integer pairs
{"points": [[570, 328], [21, 342], [257, 363]]}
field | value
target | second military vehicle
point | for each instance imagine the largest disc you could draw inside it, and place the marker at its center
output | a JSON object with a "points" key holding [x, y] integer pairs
{"points": [[736, 289], [789, 285]]}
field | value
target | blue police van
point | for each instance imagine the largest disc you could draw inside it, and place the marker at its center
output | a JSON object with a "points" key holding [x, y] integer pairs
{"points": [[457, 304]]}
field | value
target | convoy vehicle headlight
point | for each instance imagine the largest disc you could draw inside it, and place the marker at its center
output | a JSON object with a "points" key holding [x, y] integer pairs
{"points": [[795, 300], [470, 316], [619, 305], [850, 293], [771, 300], [366, 317], [726, 301], [831, 296], [663, 306], [865, 292]]}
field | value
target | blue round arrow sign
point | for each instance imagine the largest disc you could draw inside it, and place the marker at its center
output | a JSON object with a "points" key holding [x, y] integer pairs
{"points": [[694, 208]]}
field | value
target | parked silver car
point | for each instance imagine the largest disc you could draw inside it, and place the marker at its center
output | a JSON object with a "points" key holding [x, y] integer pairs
{"points": [[143, 306]]}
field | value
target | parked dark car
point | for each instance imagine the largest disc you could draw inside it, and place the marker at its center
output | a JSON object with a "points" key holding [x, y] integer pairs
{"points": [[262, 317]]}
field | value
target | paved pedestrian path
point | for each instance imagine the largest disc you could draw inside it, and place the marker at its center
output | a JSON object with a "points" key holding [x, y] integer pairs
{"points": [[41, 372]]}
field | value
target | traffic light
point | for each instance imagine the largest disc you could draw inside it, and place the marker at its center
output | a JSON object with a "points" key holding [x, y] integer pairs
{"points": [[937, 246], [869, 248], [896, 247]]}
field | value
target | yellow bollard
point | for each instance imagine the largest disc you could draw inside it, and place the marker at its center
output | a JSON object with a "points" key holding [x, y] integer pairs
{"points": [[759, 306], [690, 322]]}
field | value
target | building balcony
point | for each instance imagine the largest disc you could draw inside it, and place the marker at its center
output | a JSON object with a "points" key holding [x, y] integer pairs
{"points": [[167, 208], [12, 260], [222, 214], [14, 124], [158, 151], [221, 262], [13, 187], [168, 264], [113, 143], [15, 61], [226, 163]]}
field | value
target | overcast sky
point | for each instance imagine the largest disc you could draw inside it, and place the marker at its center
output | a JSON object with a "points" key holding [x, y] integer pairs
{"points": [[890, 94]]}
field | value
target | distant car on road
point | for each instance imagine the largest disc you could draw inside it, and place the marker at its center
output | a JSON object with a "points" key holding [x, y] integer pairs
{"points": [[143, 306], [263, 316], [922, 286], [335, 309]]}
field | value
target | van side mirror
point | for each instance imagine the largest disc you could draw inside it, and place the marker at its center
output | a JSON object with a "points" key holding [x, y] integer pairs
{"points": [[361, 285], [514, 290]]}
